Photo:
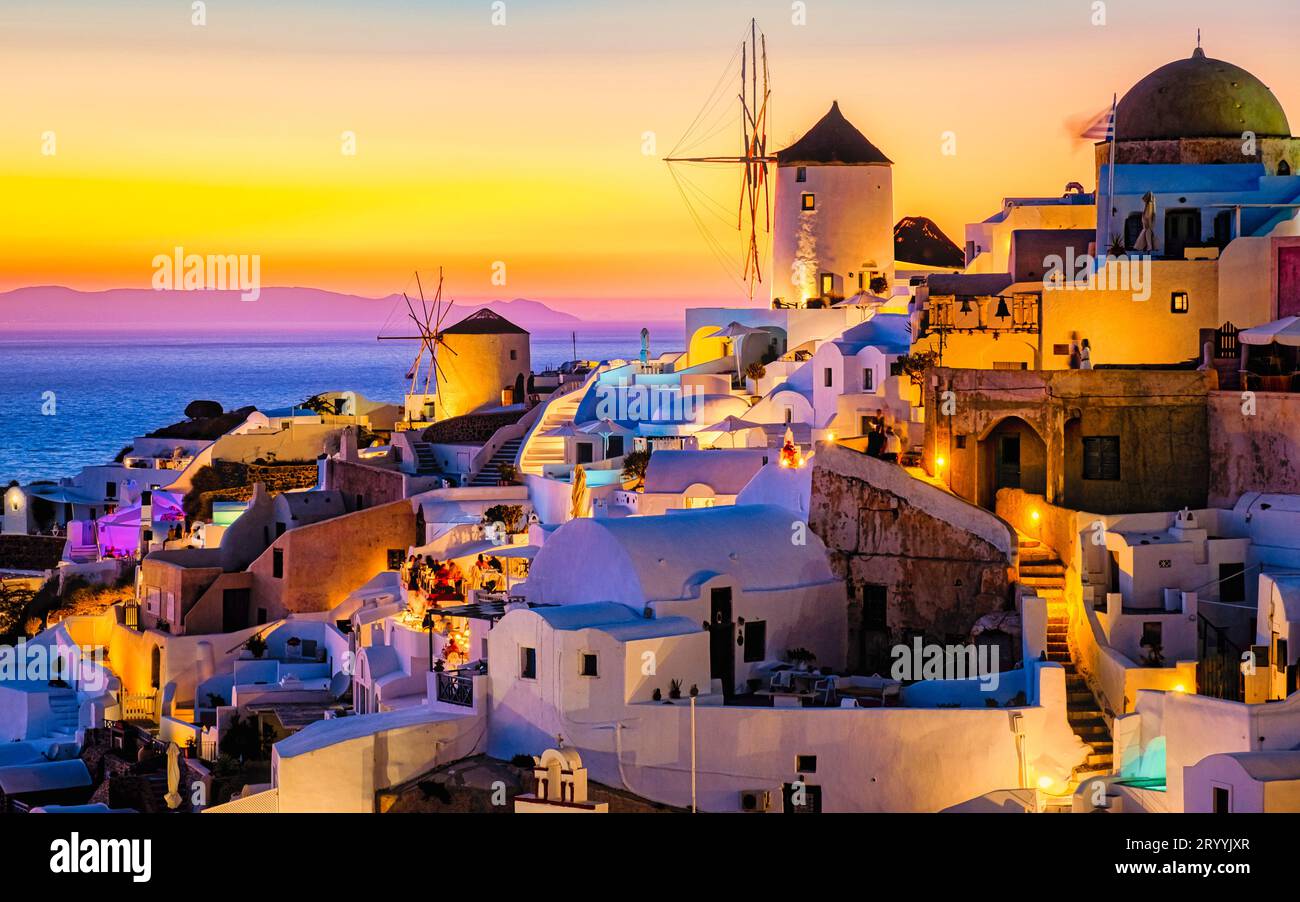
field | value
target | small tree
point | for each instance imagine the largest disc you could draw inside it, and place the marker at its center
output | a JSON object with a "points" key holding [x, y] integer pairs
{"points": [[756, 371], [634, 466], [318, 404], [879, 285], [915, 365], [511, 515]]}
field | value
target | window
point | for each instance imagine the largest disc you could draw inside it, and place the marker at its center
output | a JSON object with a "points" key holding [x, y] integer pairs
{"points": [[801, 798], [1284, 168], [875, 607], [960, 441], [395, 559], [1151, 634], [896, 368], [828, 377], [1222, 800], [279, 529], [1010, 365], [1101, 457], [808, 202], [868, 379], [805, 764], [1232, 583], [589, 668], [789, 415], [801, 174], [755, 639], [527, 663], [828, 284], [110, 490], [1178, 302], [514, 355], [585, 452], [277, 563], [1280, 659]]}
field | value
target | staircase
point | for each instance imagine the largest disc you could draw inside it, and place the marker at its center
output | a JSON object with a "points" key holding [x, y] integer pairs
{"points": [[541, 449], [63, 711], [1042, 570], [508, 453], [425, 460]]}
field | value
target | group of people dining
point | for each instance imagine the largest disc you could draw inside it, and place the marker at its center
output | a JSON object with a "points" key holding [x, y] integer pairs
{"points": [[445, 580]]}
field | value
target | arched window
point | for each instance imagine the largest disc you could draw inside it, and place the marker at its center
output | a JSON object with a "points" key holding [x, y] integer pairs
{"points": [[1284, 168]]}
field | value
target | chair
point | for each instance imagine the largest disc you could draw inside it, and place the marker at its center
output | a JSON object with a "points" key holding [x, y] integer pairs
{"points": [[824, 694], [781, 680]]}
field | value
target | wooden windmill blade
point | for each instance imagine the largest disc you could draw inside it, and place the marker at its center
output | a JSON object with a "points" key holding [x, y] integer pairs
{"points": [[414, 373]]}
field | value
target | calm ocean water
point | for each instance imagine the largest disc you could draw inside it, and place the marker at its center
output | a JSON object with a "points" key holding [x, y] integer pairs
{"points": [[110, 388]]}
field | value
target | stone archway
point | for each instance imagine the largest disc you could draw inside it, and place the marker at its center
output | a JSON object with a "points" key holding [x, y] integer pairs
{"points": [[1011, 455]]}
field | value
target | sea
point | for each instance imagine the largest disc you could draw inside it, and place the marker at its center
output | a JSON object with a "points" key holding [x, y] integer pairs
{"points": [[68, 402]]}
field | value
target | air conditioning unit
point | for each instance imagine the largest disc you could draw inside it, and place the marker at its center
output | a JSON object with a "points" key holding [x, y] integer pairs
{"points": [[757, 801]]}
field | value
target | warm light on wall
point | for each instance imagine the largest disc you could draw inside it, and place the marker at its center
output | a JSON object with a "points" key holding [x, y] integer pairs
{"points": [[1045, 782], [939, 462], [1180, 688], [1033, 515]]}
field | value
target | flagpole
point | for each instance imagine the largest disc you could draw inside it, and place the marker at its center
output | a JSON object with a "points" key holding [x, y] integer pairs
{"points": [[1110, 190]]}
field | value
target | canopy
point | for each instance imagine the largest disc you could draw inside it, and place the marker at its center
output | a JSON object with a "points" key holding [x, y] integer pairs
{"points": [[564, 430], [737, 330], [1285, 331], [732, 424]]}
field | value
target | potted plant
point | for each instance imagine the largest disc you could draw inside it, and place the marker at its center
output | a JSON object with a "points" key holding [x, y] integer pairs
{"points": [[801, 658], [292, 644], [675, 689], [508, 474], [256, 645], [439, 666], [658, 694]]}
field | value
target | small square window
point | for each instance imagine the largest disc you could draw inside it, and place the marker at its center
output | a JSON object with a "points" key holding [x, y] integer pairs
{"points": [[961, 442], [1179, 302], [527, 663], [808, 202], [514, 355], [805, 764], [589, 668], [801, 174]]}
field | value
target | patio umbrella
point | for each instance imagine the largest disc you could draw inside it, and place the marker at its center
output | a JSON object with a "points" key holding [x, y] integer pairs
{"points": [[173, 797], [1146, 240], [564, 430], [580, 496], [1285, 331], [606, 426], [737, 332], [731, 425]]}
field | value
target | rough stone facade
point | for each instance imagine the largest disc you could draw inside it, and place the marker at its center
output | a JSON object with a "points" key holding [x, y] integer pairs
{"points": [[1254, 445], [939, 562], [1158, 417], [373, 485]]}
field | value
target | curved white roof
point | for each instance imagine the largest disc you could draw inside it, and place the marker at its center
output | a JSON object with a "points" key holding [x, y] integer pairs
{"points": [[723, 470], [638, 560], [787, 487]]}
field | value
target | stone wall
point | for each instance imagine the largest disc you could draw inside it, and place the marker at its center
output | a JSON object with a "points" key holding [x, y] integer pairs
{"points": [[20, 552], [1159, 417], [375, 485], [1254, 445], [944, 563]]}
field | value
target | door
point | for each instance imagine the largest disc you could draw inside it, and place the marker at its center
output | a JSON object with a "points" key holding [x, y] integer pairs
{"points": [[234, 610], [722, 655], [615, 446], [1182, 229], [584, 452], [1288, 281], [1008, 464]]}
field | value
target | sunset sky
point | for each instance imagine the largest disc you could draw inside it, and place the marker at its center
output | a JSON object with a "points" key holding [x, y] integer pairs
{"points": [[522, 143]]}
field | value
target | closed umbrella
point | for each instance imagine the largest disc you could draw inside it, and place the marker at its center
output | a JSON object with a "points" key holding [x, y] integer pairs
{"points": [[580, 496], [173, 797]]}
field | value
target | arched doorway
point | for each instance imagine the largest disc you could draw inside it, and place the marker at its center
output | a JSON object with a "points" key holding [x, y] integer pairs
{"points": [[517, 395], [1011, 456]]}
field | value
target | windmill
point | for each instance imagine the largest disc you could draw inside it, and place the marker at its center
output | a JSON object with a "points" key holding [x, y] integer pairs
{"points": [[428, 321], [755, 201]]}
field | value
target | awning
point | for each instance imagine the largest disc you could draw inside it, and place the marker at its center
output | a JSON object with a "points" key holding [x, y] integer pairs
{"points": [[1285, 331], [62, 494]]}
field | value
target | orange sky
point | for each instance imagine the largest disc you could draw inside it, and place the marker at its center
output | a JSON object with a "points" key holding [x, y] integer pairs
{"points": [[522, 143]]}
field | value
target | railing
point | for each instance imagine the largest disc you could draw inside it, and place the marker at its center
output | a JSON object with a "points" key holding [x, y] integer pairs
{"points": [[131, 615], [1226, 346], [137, 705], [456, 690]]}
